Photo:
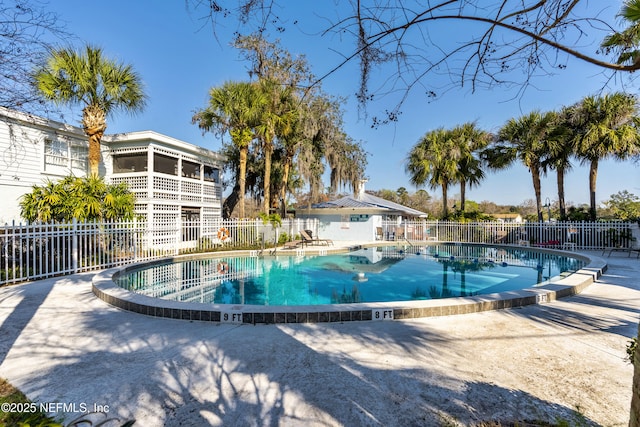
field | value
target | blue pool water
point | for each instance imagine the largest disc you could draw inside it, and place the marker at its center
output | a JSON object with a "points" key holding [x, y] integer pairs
{"points": [[367, 275]]}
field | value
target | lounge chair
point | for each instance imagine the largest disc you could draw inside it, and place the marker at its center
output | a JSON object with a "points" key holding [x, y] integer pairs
{"points": [[628, 249], [294, 244], [548, 244], [308, 239]]}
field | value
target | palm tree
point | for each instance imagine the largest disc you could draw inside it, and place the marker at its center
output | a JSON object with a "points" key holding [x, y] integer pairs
{"points": [[42, 204], [626, 42], [88, 198], [100, 84], [276, 120], [606, 127], [252, 181], [560, 150], [302, 125], [434, 161], [525, 139], [234, 107], [471, 141]]}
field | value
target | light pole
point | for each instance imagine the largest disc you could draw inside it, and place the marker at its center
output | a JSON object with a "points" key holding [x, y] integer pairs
{"points": [[547, 204]]}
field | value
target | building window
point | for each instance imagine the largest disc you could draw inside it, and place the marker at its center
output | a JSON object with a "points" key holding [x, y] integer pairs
{"points": [[125, 163], [211, 174], [165, 164], [190, 170], [64, 156]]}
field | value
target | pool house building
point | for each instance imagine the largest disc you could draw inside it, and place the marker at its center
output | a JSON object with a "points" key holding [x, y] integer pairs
{"points": [[365, 217]]}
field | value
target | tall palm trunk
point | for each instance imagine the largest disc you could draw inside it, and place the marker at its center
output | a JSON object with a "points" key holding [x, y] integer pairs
{"points": [[445, 208], [94, 122], [285, 180], [268, 150], [463, 189], [560, 181], [593, 174], [242, 179], [535, 175]]}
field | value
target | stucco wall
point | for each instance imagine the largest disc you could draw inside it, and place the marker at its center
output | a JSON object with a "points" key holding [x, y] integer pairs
{"points": [[341, 227]]}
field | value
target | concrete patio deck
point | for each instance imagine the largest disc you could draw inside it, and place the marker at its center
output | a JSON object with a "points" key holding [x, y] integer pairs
{"points": [[563, 360]]}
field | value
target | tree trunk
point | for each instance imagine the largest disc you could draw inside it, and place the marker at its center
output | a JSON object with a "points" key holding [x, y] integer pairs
{"points": [[242, 180], [445, 208], [593, 174], [230, 202], [561, 205], [94, 153], [535, 175], [266, 203], [94, 123], [285, 181], [463, 188]]}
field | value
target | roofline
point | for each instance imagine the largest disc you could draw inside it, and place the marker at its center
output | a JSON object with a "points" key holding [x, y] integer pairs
{"points": [[359, 210], [34, 120], [153, 136]]}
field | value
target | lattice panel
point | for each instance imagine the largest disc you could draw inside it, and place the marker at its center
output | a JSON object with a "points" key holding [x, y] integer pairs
{"points": [[166, 208], [165, 184], [163, 230], [135, 183], [160, 150], [191, 187], [165, 196], [129, 150], [140, 208]]}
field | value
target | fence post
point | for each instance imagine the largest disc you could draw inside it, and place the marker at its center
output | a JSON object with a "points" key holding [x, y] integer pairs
{"points": [[178, 234], [135, 239], [74, 245]]}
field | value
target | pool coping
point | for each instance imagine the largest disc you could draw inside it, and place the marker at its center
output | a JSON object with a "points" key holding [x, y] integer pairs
{"points": [[104, 287]]}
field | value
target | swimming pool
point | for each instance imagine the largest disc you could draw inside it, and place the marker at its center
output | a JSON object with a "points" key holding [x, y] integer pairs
{"points": [[362, 284], [376, 274]]}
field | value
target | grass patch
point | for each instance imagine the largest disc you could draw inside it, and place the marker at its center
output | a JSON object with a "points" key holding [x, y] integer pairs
{"points": [[14, 397]]}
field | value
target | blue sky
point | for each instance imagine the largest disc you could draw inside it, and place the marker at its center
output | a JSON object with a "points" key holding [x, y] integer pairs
{"points": [[179, 60]]}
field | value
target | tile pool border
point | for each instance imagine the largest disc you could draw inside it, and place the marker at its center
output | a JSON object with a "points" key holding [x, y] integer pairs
{"points": [[104, 287]]}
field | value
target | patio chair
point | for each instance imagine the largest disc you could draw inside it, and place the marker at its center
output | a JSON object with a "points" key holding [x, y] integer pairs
{"points": [[294, 244], [548, 244], [308, 239], [627, 249]]}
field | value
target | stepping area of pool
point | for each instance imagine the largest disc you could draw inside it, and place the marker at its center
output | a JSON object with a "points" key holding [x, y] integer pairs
{"points": [[560, 360]]}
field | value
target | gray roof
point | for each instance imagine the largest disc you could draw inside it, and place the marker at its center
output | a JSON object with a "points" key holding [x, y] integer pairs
{"points": [[369, 201]]}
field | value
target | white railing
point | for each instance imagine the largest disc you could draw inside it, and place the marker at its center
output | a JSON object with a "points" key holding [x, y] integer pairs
{"points": [[572, 235], [36, 251]]}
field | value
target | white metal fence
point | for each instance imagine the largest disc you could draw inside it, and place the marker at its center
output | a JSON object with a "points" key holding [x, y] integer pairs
{"points": [[568, 235], [36, 251]]}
